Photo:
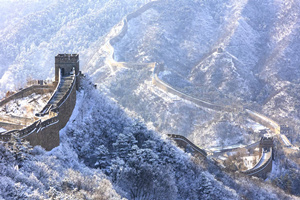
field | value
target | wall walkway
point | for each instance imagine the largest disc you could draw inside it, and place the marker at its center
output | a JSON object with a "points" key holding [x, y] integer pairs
{"points": [[261, 119]]}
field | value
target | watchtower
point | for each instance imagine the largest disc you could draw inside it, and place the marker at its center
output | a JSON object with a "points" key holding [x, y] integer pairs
{"points": [[266, 143], [66, 62]]}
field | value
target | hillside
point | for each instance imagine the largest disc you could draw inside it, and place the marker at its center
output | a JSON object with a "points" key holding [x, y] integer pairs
{"points": [[240, 54], [228, 53], [104, 154]]}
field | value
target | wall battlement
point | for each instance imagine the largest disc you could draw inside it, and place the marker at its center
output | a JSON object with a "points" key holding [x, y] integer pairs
{"points": [[45, 130]]}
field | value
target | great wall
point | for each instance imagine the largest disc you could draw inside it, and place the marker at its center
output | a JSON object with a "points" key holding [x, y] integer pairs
{"points": [[264, 164], [44, 130]]}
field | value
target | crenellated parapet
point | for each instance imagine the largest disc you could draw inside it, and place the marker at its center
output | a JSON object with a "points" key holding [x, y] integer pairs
{"points": [[61, 92], [122, 32]]}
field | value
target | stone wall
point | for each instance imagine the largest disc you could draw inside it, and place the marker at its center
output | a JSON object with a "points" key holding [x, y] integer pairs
{"points": [[257, 117], [46, 133], [11, 126], [162, 85], [38, 89], [130, 16], [184, 142], [262, 170], [12, 119], [181, 141], [122, 32]]}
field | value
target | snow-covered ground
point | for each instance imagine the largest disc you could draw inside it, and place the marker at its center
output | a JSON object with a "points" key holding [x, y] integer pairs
{"points": [[256, 127], [26, 106], [2, 130], [228, 78], [250, 161]]}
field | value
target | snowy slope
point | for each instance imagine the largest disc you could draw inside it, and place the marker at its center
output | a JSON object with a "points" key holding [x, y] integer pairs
{"points": [[105, 154], [26, 106], [232, 52], [251, 35]]}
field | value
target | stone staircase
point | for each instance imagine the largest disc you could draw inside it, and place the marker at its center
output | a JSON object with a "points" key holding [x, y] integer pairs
{"points": [[58, 96], [65, 84]]}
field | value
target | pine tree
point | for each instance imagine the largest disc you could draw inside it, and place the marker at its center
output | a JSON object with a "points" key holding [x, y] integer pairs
{"points": [[123, 145], [19, 148], [102, 156]]}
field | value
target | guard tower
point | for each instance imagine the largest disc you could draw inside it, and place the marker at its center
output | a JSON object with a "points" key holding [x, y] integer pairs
{"points": [[66, 62], [266, 143]]}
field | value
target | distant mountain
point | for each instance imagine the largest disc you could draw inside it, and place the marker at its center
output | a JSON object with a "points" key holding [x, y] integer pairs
{"points": [[225, 52], [258, 43]]}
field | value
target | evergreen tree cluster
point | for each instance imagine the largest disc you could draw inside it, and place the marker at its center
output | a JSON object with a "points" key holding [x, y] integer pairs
{"points": [[104, 154]]}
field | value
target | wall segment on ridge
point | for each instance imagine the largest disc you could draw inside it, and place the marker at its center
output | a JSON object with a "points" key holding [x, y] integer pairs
{"points": [[265, 167], [47, 134], [38, 89], [182, 141], [45, 131]]}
